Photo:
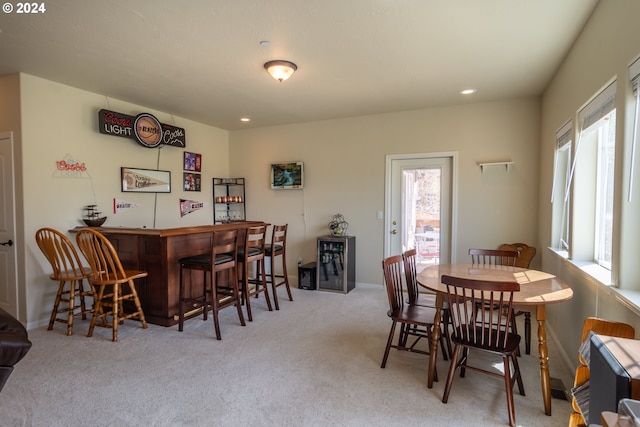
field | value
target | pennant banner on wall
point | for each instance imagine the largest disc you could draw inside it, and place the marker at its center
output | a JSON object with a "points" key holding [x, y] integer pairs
{"points": [[122, 205], [189, 206]]}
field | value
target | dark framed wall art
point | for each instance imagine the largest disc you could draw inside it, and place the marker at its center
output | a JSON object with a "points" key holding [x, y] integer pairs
{"points": [[192, 162], [191, 181], [145, 180], [287, 176]]}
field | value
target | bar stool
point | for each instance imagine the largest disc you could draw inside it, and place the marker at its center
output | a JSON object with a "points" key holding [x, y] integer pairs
{"points": [[67, 269], [254, 250], [223, 257], [277, 248], [112, 283]]}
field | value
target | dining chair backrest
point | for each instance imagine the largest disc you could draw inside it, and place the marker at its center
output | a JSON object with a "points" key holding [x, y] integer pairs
{"points": [[410, 273], [493, 257], [102, 257], [604, 327], [60, 253], [489, 329], [392, 268], [526, 253]]}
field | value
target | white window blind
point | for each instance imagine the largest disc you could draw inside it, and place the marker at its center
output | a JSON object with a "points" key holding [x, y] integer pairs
{"points": [[600, 106], [564, 136], [597, 108]]}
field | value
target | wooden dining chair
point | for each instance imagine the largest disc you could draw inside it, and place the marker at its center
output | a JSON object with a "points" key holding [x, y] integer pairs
{"points": [[489, 332], [582, 375], [493, 257], [70, 274], [400, 312], [424, 299], [112, 283], [496, 257], [252, 251], [523, 261]]}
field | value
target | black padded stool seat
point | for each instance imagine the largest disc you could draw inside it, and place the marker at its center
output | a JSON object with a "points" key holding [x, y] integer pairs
{"points": [[205, 260]]}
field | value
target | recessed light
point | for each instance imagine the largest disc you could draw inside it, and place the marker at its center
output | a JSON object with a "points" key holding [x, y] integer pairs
{"points": [[265, 43], [245, 119], [468, 91]]}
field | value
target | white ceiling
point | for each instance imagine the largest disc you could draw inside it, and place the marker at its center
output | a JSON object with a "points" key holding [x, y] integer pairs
{"points": [[202, 59]]}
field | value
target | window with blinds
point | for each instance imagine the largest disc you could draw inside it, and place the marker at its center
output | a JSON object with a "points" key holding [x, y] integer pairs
{"points": [[559, 194], [634, 76], [591, 180]]}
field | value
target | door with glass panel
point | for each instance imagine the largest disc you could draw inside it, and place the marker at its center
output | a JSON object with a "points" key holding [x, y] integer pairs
{"points": [[419, 206]]}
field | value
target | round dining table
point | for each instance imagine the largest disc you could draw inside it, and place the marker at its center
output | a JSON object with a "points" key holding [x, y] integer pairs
{"points": [[537, 289]]}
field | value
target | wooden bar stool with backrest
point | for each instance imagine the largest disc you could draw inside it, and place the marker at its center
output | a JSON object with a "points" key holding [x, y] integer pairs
{"points": [[216, 295], [489, 332], [523, 261], [67, 269], [112, 283], [278, 248], [253, 250], [423, 299]]}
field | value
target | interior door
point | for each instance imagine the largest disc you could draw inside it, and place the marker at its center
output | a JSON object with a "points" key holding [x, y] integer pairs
{"points": [[8, 261], [419, 206]]}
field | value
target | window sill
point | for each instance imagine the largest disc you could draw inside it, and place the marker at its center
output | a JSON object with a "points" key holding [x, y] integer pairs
{"points": [[629, 298], [600, 274]]}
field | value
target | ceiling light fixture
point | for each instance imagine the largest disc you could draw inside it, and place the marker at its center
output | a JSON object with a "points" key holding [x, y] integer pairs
{"points": [[280, 70], [468, 91]]}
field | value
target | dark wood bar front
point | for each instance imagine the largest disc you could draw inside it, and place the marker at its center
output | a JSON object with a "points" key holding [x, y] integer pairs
{"points": [[157, 252]]}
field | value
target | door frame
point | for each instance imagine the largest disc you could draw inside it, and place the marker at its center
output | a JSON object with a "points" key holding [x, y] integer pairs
{"points": [[12, 305], [453, 155]]}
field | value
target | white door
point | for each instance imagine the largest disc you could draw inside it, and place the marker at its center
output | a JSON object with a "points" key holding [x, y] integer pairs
{"points": [[8, 262], [419, 206]]}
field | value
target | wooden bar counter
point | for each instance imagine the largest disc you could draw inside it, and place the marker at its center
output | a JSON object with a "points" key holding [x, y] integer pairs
{"points": [[157, 252]]}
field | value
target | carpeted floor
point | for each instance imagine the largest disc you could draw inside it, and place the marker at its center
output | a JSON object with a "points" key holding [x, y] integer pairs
{"points": [[316, 362]]}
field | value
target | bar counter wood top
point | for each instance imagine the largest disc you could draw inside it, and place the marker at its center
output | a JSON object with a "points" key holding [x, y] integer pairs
{"points": [[157, 252]]}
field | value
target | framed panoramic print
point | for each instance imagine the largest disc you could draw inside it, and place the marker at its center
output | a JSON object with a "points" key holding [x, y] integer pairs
{"points": [[287, 176], [145, 180]]}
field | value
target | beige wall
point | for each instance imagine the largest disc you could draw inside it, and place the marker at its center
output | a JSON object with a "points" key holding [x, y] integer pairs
{"points": [[344, 164], [344, 171], [604, 50], [59, 120]]}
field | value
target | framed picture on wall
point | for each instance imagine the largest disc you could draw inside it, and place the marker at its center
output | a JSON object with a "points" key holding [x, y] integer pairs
{"points": [[145, 180], [192, 162], [287, 176], [191, 181]]}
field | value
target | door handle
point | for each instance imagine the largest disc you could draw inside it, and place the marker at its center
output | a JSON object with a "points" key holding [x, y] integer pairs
{"points": [[8, 242]]}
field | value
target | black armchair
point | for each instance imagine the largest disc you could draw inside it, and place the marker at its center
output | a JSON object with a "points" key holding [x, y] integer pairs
{"points": [[14, 344]]}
